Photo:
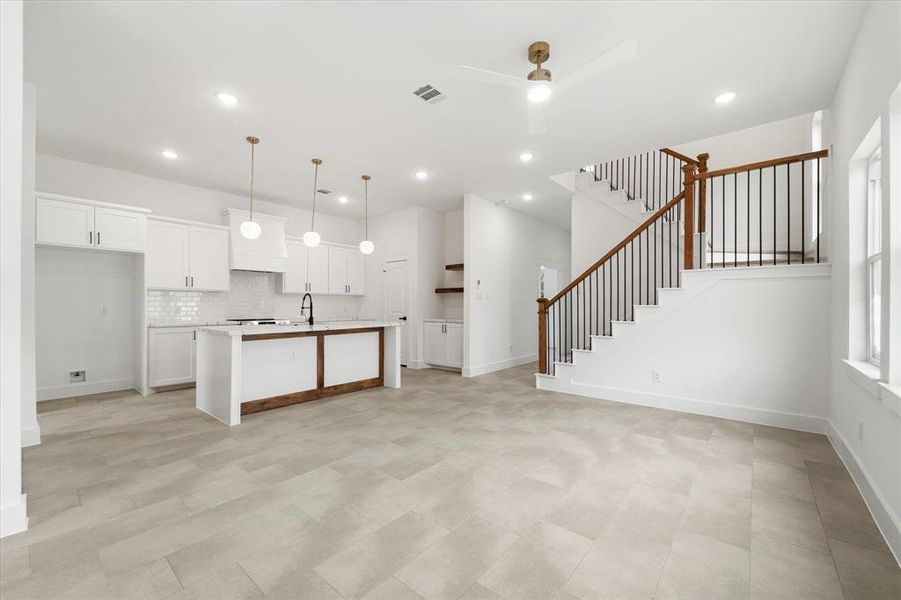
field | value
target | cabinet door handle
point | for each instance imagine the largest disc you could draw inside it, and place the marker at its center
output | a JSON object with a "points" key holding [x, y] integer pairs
{"points": [[192, 281], [195, 335], [91, 238], [186, 281], [98, 238]]}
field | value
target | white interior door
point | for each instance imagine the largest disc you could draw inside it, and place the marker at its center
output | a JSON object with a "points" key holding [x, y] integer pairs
{"points": [[395, 286]]}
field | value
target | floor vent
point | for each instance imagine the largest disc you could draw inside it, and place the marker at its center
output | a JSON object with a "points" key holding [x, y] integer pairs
{"points": [[428, 94]]}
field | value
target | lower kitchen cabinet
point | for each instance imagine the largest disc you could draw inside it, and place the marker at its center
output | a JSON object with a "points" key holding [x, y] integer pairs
{"points": [[171, 355], [443, 344]]}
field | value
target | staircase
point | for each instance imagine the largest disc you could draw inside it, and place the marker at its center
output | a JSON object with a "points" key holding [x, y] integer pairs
{"points": [[762, 214]]}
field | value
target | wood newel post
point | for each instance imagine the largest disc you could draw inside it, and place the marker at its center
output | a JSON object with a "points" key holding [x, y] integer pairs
{"points": [[542, 335], [702, 192], [688, 259]]}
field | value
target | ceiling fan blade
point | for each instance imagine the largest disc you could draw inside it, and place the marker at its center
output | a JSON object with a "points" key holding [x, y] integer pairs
{"points": [[486, 76], [616, 56], [537, 120]]}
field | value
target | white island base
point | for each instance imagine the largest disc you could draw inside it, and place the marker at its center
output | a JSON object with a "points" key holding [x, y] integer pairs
{"points": [[247, 369]]}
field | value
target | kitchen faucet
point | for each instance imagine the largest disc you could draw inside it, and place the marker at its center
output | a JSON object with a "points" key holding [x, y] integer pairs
{"points": [[303, 306]]}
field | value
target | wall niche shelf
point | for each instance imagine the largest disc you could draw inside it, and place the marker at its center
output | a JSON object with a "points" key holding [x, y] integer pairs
{"points": [[454, 267], [449, 290]]}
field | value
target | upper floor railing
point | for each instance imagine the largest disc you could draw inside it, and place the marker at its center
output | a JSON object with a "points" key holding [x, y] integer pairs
{"points": [[756, 214]]}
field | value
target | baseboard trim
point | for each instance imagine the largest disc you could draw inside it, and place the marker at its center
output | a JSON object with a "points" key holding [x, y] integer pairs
{"points": [[734, 412], [499, 365], [886, 520], [13, 518], [31, 436], [83, 389]]}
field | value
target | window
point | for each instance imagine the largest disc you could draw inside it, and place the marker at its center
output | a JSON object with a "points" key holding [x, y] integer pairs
{"points": [[874, 256]]}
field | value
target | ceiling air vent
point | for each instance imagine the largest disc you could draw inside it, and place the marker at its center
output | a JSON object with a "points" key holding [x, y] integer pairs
{"points": [[428, 94]]}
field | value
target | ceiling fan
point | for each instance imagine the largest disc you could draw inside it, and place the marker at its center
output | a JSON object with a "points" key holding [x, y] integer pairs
{"points": [[539, 84]]}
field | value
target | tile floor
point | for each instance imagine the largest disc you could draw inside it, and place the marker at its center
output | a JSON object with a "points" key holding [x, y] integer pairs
{"points": [[448, 488]]}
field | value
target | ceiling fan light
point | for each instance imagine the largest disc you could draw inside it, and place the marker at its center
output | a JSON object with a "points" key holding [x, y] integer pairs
{"points": [[251, 230], [539, 92]]}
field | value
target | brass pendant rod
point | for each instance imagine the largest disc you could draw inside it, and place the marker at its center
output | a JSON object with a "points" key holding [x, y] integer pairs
{"points": [[366, 179], [316, 162]]}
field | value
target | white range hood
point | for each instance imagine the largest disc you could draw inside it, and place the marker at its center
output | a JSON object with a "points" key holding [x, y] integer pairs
{"points": [[266, 253]]}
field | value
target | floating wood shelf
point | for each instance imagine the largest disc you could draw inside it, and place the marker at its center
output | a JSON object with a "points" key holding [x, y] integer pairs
{"points": [[454, 267], [449, 290]]}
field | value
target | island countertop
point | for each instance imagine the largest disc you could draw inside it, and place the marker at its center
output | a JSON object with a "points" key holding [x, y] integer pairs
{"points": [[242, 330]]}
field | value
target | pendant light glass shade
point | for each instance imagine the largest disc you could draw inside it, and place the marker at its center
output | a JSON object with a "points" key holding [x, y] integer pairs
{"points": [[311, 239], [250, 229], [366, 246]]}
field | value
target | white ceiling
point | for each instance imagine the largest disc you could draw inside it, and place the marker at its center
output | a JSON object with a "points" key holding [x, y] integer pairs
{"points": [[119, 81]]}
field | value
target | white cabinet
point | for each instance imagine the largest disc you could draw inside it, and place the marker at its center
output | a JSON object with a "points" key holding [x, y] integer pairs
{"points": [[345, 271], [117, 229], [171, 355], [66, 223], [208, 258], [453, 335], [318, 269], [294, 279], [63, 221], [307, 270], [442, 344], [182, 255]]}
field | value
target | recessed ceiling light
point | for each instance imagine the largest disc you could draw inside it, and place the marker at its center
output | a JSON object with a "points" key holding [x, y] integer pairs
{"points": [[525, 156], [226, 98], [421, 175], [527, 197], [343, 199], [170, 154], [725, 98]]}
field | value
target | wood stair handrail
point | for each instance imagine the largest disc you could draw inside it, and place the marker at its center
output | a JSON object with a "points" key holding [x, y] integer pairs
{"points": [[785, 160], [679, 155], [635, 233]]}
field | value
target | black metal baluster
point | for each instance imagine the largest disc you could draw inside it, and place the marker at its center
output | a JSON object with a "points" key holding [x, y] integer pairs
{"points": [[818, 210], [632, 279], [774, 214], [723, 246], [735, 220], [748, 221], [803, 249], [760, 217], [788, 211], [639, 266]]}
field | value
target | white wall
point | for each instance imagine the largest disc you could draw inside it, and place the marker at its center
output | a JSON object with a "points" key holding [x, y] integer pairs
{"points": [[85, 314], [12, 501], [31, 432], [596, 227], [451, 305], [169, 199], [870, 77], [503, 251]]}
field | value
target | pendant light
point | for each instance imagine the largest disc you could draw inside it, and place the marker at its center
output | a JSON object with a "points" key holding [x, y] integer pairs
{"points": [[311, 239], [251, 229], [366, 246]]}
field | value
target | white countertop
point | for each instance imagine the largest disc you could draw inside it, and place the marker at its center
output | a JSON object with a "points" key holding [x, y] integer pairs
{"points": [[234, 330], [442, 320], [183, 324]]}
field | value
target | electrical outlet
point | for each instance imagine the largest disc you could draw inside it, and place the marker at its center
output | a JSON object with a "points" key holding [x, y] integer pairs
{"points": [[655, 376], [291, 355], [860, 430]]}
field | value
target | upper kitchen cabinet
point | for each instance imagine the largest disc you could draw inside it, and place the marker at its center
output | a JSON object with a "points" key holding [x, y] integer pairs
{"points": [[308, 269], [184, 255], [80, 223], [345, 271]]}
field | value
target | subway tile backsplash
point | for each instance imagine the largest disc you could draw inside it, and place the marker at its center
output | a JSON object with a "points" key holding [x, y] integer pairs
{"points": [[252, 294]]}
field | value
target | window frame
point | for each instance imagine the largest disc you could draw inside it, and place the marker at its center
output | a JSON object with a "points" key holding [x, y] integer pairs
{"points": [[873, 244]]}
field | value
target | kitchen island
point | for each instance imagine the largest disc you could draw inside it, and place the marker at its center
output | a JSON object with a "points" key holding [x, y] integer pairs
{"points": [[247, 369]]}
